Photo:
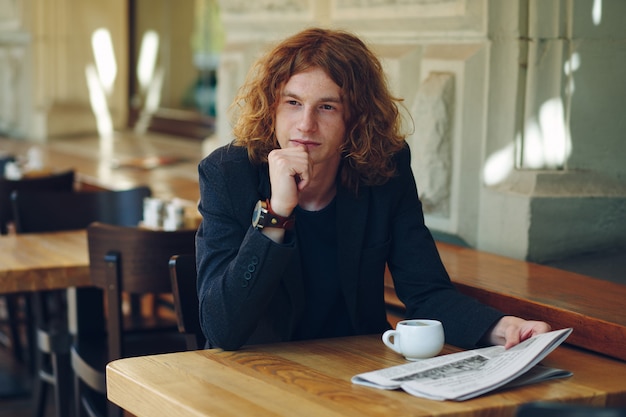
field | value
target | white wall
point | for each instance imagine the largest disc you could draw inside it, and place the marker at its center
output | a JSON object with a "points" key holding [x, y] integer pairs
{"points": [[50, 86], [15, 74], [556, 89]]}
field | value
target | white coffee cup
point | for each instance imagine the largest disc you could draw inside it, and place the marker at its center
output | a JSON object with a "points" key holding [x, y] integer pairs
{"points": [[416, 339]]}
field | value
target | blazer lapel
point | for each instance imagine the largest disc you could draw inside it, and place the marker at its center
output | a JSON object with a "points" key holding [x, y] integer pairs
{"points": [[351, 217], [264, 187], [294, 284]]}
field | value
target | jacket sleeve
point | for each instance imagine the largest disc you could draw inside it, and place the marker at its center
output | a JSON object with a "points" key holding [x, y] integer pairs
{"points": [[420, 278], [239, 269]]}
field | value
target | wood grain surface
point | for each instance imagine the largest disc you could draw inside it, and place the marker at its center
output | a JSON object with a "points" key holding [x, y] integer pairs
{"points": [[312, 378], [43, 261]]}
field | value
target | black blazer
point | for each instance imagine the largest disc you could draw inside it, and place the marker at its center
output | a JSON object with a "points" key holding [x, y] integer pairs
{"points": [[250, 288]]}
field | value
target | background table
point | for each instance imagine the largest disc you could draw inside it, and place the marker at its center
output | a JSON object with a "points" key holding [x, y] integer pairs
{"points": [[43, 261], [39, 262], [312, 378]]}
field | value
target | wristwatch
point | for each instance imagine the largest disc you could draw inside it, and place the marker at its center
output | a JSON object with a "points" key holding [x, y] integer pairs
{"points": [[264, 216]]}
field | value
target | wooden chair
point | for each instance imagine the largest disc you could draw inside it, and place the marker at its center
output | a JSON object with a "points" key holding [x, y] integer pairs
{"points": [[183, 275], [46, 211], [52, 211], [62, 181], [129, 260]]}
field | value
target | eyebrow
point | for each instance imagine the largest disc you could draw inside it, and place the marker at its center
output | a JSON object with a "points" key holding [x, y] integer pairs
{"points": [[329, 99]]}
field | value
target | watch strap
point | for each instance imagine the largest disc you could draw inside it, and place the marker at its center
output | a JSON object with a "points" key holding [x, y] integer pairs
{"points": [[271, 219]]}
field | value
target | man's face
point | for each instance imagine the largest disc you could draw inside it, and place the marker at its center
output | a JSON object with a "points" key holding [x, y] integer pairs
{"points": [[311, 112]]}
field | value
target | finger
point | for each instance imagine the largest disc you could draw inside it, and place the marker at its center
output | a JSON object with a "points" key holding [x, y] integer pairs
{"points": [[528, 333], [512, 337]]}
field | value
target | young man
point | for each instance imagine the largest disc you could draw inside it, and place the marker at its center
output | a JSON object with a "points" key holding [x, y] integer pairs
{"points": [[313, 198]]}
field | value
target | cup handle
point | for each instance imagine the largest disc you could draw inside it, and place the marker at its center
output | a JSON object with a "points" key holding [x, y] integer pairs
{"points": [[390, 338]]}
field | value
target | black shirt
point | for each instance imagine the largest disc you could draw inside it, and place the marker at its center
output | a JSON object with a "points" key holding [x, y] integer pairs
{"points": [[325, 312]]}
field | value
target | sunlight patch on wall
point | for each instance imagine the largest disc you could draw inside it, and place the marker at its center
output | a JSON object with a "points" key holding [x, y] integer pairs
{"points": [[546, 145], [499, 165], [98, 101], [150, 80], [100, 82], [546, 141], [596, 12], [148, 53], [151, 102], [570, 66], [106, 65]]}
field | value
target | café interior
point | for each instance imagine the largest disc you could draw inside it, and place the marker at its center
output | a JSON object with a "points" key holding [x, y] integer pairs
{"points": [[515, 120]]}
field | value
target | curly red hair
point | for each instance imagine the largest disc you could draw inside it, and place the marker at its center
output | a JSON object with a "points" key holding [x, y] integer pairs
{"points": [[373, 122]]}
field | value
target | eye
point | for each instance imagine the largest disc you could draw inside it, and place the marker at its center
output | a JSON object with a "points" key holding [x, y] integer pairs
{"points": [[292, 102], [327, 107]]}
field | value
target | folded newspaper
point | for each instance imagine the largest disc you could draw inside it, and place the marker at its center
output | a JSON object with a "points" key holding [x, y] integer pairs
{"points": [[464, 375]]}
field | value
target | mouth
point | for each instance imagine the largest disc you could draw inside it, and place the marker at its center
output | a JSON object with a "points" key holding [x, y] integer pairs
{"points": [[308, 143]]}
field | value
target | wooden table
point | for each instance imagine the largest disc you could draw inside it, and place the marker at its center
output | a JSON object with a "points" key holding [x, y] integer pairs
{"points": [[38, 262], [312, 378], [43, 261], [95, 162]]}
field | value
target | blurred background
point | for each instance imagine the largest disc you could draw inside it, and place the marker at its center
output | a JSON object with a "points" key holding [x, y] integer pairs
{"points": [[514, 109]]}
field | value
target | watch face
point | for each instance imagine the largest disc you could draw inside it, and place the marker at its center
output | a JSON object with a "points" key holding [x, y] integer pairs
{"points": [[256, 214], [263, 216]]}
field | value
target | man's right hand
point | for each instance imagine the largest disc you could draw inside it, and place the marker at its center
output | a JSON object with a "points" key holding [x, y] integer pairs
{"points": [[290, 172]]}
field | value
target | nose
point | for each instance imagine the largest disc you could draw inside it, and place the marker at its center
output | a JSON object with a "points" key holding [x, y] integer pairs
{"points": [[308, 120]]}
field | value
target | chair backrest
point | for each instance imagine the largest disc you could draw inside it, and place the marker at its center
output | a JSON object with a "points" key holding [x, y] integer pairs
{"points": [[184, 276], [62, 181], [44, 211], [133, 260]]}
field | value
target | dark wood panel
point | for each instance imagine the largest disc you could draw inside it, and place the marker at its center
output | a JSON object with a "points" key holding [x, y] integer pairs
{"points": [[594, 308]]}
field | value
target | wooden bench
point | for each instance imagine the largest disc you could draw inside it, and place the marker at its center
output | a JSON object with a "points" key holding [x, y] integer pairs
{"points": [[594, 308]]}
